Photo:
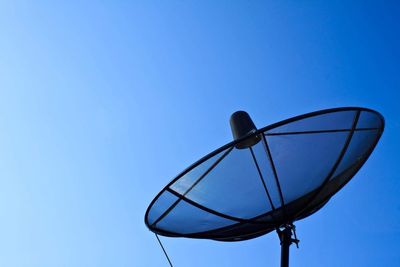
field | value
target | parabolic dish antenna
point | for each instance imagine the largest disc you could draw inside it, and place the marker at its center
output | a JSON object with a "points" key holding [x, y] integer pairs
{"points": [[267, 178]]}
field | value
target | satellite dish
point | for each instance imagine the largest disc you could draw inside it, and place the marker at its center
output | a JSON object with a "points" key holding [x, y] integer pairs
{"points": [[266, 179]]}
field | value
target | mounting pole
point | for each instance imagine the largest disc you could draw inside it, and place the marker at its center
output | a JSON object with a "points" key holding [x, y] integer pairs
{"points": [[286, 239]]}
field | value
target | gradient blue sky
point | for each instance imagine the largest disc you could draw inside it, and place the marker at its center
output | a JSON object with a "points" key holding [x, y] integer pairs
{"points": [[103, 102]]}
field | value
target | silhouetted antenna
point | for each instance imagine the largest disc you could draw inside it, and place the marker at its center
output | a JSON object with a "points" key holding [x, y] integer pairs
{"points": [[267, 179]]}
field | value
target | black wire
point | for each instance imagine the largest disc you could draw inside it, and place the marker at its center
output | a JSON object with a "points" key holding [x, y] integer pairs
{"points": [[165, 252]]}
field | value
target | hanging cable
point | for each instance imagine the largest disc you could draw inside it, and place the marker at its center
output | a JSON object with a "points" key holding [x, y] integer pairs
{"points": [[165, 252]]}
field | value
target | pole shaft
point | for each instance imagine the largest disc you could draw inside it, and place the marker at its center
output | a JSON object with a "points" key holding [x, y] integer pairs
{"points": [[286, 241]]}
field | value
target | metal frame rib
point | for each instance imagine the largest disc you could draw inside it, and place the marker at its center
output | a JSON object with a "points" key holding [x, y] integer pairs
{"points": [[192, 186], [337, 162], [320, 131], [262, 178], [271, 161], [214, 212]]}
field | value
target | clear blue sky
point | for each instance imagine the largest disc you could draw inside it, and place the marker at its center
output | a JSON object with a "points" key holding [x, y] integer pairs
{"points": [[102, 103]]}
